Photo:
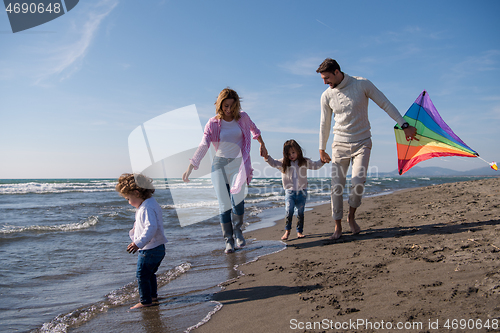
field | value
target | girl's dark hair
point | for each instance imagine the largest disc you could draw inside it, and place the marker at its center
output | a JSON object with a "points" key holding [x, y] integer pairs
{"points": [[286, 149], [135, 182]]}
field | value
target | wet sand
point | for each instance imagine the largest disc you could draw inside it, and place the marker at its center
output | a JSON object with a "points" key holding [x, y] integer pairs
{"points": [[426, 258]]}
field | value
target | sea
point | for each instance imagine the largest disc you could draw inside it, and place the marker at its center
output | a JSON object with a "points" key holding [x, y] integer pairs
{"points": [[65, 268]]}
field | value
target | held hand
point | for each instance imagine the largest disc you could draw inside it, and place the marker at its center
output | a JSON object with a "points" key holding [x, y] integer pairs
{"points": [[132, 248], [325, 158], [410, 133], [263, 151], [185, 175]]}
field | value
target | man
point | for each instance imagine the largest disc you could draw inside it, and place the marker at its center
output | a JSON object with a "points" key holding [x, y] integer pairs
{"points": [[347, 99]]}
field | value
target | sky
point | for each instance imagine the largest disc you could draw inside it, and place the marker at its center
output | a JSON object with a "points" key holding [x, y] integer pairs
{"points": [[72, 90]]}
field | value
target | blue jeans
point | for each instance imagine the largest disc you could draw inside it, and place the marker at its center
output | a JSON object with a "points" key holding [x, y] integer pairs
{"points": [[295, 199], [223, 172], [148, 262]]}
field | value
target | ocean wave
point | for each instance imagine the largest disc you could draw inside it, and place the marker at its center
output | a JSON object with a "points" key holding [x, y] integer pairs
{"points": [[56, 187], [205, 320], [187, 186], [257, 182], [89, 222], [268, 198], [192, 205], [265, 194], [124, 295]]}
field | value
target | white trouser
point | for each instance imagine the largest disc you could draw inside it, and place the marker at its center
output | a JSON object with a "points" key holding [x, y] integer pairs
{"points": [[344, 153]]}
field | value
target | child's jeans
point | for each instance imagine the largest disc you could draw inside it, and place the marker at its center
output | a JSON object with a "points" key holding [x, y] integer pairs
{"points": [[148, 262], [295, 199]]}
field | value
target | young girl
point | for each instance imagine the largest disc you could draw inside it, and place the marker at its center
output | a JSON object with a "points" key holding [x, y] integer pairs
{"points": [[293, 168], [231, 132], [147, 234]]}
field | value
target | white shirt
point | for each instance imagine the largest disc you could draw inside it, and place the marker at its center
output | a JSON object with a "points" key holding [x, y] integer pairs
{"points": [[295, 177], [148, 231], [231, 139]]}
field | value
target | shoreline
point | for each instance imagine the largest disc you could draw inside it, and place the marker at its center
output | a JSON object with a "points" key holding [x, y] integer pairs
{"points": [[429, 260], [266, 222]]}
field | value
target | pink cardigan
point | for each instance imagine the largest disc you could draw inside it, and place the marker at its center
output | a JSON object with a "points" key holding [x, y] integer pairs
{"points": [[212, 135]]}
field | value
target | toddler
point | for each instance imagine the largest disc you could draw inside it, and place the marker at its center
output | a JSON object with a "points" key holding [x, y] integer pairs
{"points": [[147, 235], [293, 168]]}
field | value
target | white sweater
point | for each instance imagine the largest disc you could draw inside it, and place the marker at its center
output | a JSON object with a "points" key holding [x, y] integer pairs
{"points": [[295, 177], [349, 104], [148, 231]]}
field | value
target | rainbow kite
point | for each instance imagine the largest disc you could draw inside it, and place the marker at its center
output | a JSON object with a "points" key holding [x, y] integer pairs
{"points": [[434, 137]]}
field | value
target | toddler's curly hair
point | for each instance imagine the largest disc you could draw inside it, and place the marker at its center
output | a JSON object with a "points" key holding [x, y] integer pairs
{"points": [[135, 182]]}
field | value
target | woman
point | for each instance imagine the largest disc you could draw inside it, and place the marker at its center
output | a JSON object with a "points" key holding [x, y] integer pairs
{"points": [[230, 131]]}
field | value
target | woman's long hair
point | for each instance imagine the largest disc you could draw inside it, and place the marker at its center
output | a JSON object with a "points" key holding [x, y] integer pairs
{"points": [[286, 149], [228, 93]]}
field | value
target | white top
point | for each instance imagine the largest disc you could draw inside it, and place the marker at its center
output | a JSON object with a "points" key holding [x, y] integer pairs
{"points": [[148, 231], [348, 103], [231, 139], [295, 177]]}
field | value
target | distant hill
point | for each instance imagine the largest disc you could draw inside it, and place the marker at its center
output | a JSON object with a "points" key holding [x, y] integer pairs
{"points": [[417, 171]]}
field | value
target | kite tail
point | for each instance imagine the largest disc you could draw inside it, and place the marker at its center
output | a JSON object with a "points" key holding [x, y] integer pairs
{"points": [[493, 164]]}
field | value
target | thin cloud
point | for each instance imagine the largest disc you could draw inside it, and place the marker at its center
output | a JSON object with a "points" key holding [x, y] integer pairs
{"points": [[487, 61], [490, 98], [492, 114], [484, 62], [65, 59], [324, 24], [303, 67]]}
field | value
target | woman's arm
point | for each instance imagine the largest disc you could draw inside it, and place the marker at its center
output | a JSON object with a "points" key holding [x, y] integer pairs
{"points": [[256, 134], [185, 175], [208, 135], [263, 150]]}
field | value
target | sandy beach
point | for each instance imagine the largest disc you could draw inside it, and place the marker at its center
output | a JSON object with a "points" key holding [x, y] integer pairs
{"points": [[426, 260]]}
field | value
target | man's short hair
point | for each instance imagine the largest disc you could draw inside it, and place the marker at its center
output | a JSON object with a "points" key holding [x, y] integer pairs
{"points": [[329, 65]]}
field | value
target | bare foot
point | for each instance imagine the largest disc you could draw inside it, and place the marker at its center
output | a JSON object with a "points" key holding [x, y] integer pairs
{"points": [[355, 229], [285, 236], [300, 235], [336, 235], [338, 230], [140, 305]]}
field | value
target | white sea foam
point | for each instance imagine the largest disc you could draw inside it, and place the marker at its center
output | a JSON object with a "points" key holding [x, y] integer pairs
{"points": [[63, 322], [89, 222], [56, 187], [217, 307], [268, 198], [192, 205]]}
